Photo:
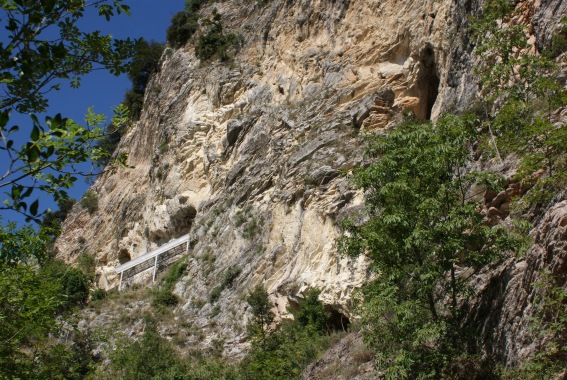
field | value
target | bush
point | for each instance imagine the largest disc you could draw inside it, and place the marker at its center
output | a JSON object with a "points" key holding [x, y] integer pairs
{"points": [[174, 274], [214, 43], [90, 201], [559, 41], [283, 352], [227, 279], [87, 264], [164, 297], [98, 294], [184, 24], [113, 133], [144, 64], [53, 219], [312, 313], [229, 276], [215, 294], [183, 27], [75, 286], [152, 357]]}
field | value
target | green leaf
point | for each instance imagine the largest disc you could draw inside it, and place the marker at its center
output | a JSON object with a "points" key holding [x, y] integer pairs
{"points": [[34, 135], [33, 207]]}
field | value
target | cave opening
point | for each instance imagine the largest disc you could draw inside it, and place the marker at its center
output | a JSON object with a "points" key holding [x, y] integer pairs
{"points": [[124, 256], [183, 218], [337, 320], [428, 82]]}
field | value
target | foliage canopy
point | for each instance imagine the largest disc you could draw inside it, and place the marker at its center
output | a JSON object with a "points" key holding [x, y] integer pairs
{"points": [[44, 47]]}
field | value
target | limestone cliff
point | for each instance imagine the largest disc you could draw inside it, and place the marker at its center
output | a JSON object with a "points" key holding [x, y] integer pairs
{"points": [[248, 157]]}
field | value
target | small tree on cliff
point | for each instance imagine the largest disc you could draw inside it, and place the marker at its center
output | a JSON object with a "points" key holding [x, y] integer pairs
{"points": [[422, 230]]}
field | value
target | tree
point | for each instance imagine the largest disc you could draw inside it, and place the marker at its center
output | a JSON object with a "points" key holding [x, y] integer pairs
{"points": [[422, 231], [28, 300], [214, 42], [263, 316], [44, 47], [144, 64], [312, 313], [152, 357], [184, 24]]}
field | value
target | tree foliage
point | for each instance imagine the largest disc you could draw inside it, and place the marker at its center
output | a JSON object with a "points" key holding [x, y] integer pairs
{"points": [[521, 93], [151, 358], [43, 48], [422, 231], [184, 24], [214, 42], [33, 62], [144, 64], [263, 316], [282, 353]]}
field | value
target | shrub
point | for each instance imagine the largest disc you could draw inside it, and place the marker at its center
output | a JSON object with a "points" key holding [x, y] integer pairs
{"points": [[163, 297], [98, 294], [215, 294], [312, 313], [240, 219], [227, 279], [90, 201], [174, 274], [251, 229], [229, 276], [87, 264], [559, 41], [183, 26], [144, 64], [215, 43], [152, 357], [259, 301], [135, 103], [75, 285], [53, 219]]}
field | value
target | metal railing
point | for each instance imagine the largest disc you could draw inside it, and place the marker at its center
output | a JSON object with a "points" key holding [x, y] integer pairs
{"points": [[158, 257]]}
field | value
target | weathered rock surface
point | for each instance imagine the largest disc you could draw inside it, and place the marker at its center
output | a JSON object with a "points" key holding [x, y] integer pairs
{"points": [[247, 156], [507, 296]]}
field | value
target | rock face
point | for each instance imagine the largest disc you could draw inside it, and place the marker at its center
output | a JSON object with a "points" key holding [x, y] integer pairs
{"points": [[507, 298], [247, 156]]}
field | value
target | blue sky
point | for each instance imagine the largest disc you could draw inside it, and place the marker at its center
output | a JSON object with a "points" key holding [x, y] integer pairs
{"points": [[149, 19]]}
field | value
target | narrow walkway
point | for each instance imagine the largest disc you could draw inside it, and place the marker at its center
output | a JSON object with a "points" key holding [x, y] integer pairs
{"points": [[154, 258]]}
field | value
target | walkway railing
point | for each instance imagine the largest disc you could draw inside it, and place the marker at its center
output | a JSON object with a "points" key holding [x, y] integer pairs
{"points": [[154, 258]]}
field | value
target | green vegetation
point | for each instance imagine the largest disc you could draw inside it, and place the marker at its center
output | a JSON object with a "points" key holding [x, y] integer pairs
{"points": [[422, 227], [152, 357], [214, 43], [559, 42], [36, 290], [90, 201], [52, 220], [87, 264], [32, 64], [549, 323], [144, 64], [163, 296], [520, 93], [184, 24], [227, 279], [285, 351]]}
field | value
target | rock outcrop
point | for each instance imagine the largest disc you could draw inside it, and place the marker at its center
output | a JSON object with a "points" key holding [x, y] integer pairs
{"points": [[248, 156]]}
